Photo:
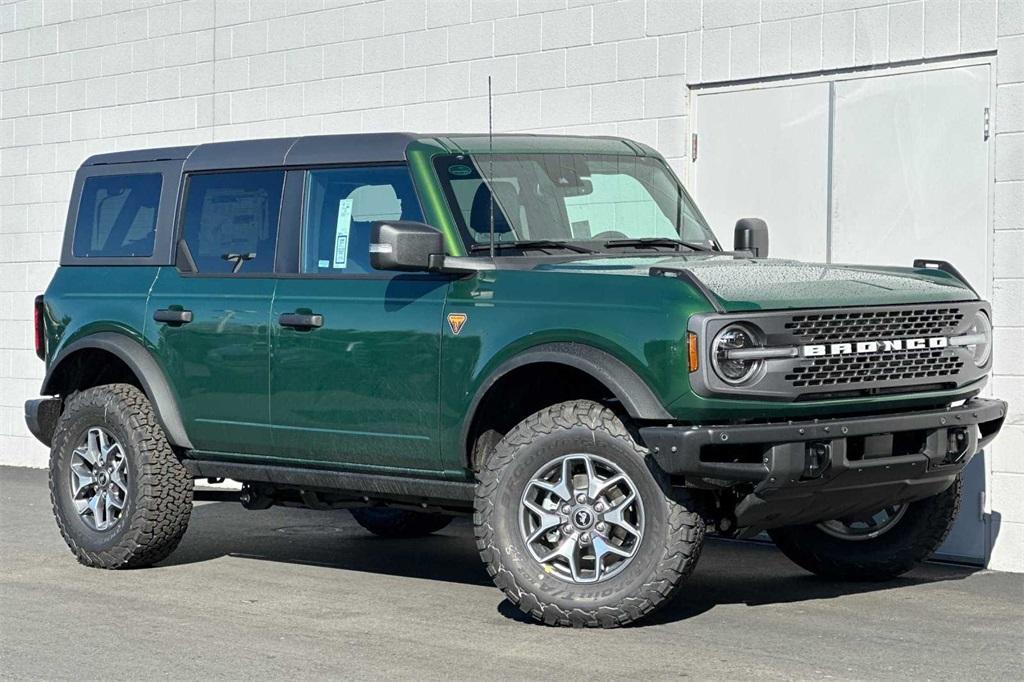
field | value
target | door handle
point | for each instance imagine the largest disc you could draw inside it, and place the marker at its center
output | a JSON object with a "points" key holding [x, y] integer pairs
{"points": [[173, 317], [300, 320]]}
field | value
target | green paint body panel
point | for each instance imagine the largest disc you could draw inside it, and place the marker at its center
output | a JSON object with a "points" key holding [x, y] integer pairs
{"points": [[385, 384]]}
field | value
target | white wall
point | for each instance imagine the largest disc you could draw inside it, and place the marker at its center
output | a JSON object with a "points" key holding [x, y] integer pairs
{"points": [[85, 76]]}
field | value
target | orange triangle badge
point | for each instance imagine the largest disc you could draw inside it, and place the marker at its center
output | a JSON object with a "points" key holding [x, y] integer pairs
{"points": [[457, 321]]}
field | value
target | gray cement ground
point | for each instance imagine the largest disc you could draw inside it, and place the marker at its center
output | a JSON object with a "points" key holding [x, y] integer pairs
{"points": [[300, 594]]}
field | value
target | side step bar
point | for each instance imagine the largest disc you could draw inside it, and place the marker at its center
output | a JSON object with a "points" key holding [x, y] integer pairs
{"points": [[358, 484]]}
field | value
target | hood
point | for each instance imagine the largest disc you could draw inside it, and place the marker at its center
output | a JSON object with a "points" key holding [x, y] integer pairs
{"points": [[743, 284]]}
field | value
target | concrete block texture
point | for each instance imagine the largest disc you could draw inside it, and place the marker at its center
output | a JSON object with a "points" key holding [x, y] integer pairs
{"points": [[80, 77]]}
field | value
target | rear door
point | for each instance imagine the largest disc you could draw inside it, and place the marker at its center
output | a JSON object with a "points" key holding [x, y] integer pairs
{"points": [[210, 329], [355, 351]]}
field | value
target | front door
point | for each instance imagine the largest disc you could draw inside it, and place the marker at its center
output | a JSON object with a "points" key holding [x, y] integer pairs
{"points": [[355, 352], [210, 329]]}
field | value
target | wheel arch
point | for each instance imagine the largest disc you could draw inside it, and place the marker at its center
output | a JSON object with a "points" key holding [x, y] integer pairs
{"points": [[139, 362], [594, 368]]}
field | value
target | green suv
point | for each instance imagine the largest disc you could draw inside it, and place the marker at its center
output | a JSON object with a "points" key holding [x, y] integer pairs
{"points": [[539, 331]]}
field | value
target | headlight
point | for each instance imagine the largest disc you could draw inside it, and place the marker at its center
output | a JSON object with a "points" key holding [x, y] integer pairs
{"points": [[734, 370], [981, 331]]}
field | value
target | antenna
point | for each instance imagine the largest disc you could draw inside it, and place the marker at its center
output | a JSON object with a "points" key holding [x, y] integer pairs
{"points": [[490, 161]]}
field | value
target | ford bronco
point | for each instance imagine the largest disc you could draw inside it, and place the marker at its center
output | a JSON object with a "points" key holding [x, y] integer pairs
{"points": [[540, 331]]}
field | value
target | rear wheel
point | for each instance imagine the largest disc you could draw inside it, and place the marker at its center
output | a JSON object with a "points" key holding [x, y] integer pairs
{"points": [[872, 547], [575, 524], [120, 496], [399, 523]]}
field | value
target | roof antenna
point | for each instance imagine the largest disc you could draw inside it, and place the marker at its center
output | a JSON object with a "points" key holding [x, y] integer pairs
{"points": [[490, 161]]}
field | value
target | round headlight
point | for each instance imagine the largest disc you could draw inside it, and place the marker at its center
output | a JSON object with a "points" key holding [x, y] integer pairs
{"points": [[982, 328], [734, 370]]}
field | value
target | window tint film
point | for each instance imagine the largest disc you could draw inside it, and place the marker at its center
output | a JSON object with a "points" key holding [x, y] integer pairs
{"points": [[341, 206], [231, 219], [117, 216]]}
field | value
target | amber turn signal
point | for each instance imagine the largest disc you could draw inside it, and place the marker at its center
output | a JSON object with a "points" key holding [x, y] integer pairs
{"points": [[691, 350]]}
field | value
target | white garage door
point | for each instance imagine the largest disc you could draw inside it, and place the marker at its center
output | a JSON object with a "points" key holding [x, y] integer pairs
{"points": [[879, 168]]}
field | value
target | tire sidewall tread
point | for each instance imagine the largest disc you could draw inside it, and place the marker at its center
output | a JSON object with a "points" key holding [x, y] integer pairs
{"points": [[159, 502], [654, 575]]}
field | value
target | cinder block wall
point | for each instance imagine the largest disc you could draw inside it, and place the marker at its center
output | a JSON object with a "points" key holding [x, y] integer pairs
{"points": [[85, 76]]}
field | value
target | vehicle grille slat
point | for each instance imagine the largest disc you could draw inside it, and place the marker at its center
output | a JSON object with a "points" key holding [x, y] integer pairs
{"points": [[903, 366]]}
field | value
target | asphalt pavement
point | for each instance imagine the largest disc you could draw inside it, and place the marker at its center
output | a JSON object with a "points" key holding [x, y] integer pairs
{"points": [[296, 594]]}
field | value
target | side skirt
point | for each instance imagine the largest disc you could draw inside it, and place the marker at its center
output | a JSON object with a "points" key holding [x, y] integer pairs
{"points": [[368, 487]]}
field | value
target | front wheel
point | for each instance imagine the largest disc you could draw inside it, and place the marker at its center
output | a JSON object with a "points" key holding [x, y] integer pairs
{"points": [[574, 523], [873, 547]]}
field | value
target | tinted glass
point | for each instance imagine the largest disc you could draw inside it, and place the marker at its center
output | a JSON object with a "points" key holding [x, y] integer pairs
{"points": [[117, 216], [231, 219], [342, 204]]}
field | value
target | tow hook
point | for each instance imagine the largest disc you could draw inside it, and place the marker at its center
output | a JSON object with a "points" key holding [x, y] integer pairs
{"points": [[817, 458]]}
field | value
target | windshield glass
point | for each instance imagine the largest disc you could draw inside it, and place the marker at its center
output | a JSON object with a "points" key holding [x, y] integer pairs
{"points": [[581, 198]]}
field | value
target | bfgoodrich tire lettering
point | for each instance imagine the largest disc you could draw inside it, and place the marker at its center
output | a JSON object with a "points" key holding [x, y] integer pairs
{"points": [[912, 539], [672, 536], [159, 499]]}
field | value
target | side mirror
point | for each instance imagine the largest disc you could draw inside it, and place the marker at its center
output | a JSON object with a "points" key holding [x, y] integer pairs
{"points": [[751, 234], [405, 245]]}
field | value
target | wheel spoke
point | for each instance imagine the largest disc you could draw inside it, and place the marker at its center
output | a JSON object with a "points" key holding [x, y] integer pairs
{"points": [[598, 490], [81, 478], [546, 520], [560, 489], [95, 505]]}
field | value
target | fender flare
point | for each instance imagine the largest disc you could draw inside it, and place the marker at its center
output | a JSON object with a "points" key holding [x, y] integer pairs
{"points": [[144, 366], [629, 389]]}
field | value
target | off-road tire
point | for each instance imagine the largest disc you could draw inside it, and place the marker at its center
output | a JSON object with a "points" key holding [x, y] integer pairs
{"points": [[399, 523], [159, 500], [913, 539], [667, 554]]}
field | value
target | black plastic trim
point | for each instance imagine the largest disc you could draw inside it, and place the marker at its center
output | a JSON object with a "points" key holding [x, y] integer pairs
{"points": [[41, 416], [144, 366], [627, 387], [371, 485]]}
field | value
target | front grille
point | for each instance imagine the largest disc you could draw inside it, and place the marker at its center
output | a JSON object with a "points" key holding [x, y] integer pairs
{"points": [[929, 365], [874, 325], [908, 366]]}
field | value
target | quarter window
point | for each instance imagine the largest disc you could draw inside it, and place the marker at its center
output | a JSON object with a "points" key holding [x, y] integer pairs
{"points": [[342, 204], [231, 219], [117, 216]]}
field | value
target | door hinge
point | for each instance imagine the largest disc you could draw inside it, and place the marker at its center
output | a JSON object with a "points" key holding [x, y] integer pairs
{"points": [[693, 147], [987, 123], [981, 505]]}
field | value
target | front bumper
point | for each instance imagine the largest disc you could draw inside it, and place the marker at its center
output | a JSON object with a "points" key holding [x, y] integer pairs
{"points": [[809, 471]]}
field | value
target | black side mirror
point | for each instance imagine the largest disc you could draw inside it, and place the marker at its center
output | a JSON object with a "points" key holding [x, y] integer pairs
{"points": [[405, 245], [751, 234]]}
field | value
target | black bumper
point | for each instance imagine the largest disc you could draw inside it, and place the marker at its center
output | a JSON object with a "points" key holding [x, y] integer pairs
{"points": [[804, 472], [41, 418]]}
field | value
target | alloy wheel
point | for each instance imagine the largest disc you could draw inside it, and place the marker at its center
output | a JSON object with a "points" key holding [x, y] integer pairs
{"points": [[99, 480], [582, 518], [865, 527]]}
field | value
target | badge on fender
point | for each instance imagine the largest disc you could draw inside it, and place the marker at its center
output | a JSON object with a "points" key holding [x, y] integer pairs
{"points": [[457, 321]]}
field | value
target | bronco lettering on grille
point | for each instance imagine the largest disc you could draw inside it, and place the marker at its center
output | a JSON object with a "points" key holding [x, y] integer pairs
{"points": [[858, 347]]}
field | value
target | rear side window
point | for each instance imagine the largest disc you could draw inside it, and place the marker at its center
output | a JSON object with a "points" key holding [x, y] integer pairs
{"points": [[341, 206], [230, 221], [117, 216]]}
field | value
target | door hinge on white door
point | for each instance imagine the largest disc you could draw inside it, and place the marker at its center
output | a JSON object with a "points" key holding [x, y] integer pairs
{"points": [[987, 121], [693, 147]]}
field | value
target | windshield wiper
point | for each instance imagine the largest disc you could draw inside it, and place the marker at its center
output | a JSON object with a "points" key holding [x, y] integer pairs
{"points": [[655, 241], [531, 244]]}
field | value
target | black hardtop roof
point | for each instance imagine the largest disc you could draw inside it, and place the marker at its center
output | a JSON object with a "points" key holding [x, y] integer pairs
{"points": [[355, 148]]}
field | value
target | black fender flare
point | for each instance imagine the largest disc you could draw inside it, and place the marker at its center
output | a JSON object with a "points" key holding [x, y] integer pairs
{"points": [[629, 389], [144, 366]]}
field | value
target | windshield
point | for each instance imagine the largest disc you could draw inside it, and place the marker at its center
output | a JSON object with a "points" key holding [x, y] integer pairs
{"points": [[582, 199]]}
